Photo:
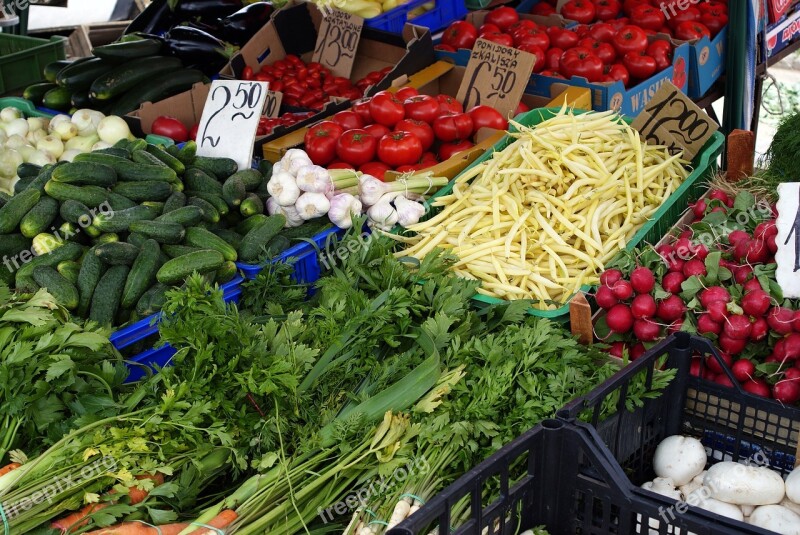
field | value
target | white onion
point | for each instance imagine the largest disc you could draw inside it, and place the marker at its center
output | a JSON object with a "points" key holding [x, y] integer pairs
{"points": [[112, 128]]}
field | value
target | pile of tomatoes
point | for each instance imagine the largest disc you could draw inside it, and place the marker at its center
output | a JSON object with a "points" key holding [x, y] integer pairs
{"points": [[601, 52], [402, 131]]}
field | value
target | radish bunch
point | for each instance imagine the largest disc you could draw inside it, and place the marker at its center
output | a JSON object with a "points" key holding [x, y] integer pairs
{"points": [[717, 279]]}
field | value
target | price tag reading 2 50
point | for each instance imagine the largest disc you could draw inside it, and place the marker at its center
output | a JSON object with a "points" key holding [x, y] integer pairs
{"points": [[230, 119], [337, 42]]}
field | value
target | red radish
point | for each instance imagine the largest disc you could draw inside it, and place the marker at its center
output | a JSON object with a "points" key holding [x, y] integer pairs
{"points": [[675, 326], [765, 229], [775, 359], [759, 387], [743, 369], [714, 293], [751, 285], [619, 319], [671, 308], [772, 245], [675, 264], [738, 327], [796, 321], [756, 303], [792, 346], [721, 196], [696, 366], [742, 273], [706, 325], [736, 236], [699, 208], [714, 365], [622, 290], [605, 298], [610, 276], [708, 375], [792, 374], [701, 252], [786, 391], [718, 311], [643, 306], [643, 280], [760, 330], [665, 250], [646, 330], [695, 266], [721, 209], [734, 346], [686, 234], [757, 251], [672, 282], [780, 320], [723, 379], [740, 250], [617, 349], [780, 349], [684, 249], [637, 351]]}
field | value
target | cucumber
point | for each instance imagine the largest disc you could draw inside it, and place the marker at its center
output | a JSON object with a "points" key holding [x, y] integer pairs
{"points": [[205, 239], [4, 198], [70, 270], [45, 175], [128, 50], [160, 87], [187, 216], [162, 232], [80, 76], [28, 170], [40, 217], [225, 273], [68, 251], [198, 180], [169, 160], [252, 205], [178, 269], [173, 150], [52, 69], [76, 212], [188, 152], [174, 251], [108, 237], [36, 92], [233, 191], [221, 168], [107, 295], [85, 174], [59, 99], [251, 178], [57, 285], [22, 184], [216, 200], [137, 239], [175, 201], [256, 240], [143, 273], [153, 300], [137, 144], [10, 246], [143, 191], [276, 246], [230, 236], [120, 221], [250, 223], [265, 168], [118, 202], [128, 170], [117, 253], [91, 196], [210, 214], [115, 151], [45, 243], [15, 209], [129, 75], [122, 143], [92, 269], [69, 231], [144, 157]]}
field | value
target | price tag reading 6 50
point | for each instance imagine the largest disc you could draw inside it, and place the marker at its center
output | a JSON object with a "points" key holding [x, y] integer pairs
{"points": [[230, 119]]}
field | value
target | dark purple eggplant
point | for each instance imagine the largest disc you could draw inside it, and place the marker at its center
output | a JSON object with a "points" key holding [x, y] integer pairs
{"points": [[207, 9], [238, 28], [198, 49], [156, 19]]}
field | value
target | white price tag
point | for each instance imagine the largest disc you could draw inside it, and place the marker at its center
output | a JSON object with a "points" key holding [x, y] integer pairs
{"points": [[230, 120]]}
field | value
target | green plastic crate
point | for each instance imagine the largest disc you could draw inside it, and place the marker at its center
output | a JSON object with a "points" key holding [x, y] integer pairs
{"points": [[704, 165], [22, 59], [25, 106]]}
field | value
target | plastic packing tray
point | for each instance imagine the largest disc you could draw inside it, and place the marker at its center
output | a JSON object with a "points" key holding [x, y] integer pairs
{"points": [[23, 59], [703, 166], [438, 18]]}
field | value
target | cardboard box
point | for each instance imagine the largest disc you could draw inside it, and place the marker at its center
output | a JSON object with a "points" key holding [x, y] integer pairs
{"points": [[780, 35], [776, 9], [707, 63]]}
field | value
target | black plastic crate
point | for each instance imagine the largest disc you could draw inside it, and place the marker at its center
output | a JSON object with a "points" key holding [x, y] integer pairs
{"points": [[583, 478]]}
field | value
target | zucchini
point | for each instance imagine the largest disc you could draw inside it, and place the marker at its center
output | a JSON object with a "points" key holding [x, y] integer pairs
{"points": [[144, 191], [91, 196], [117, 253], [233, 191], [250, 223], [187, 216], [57, 285], [221, 168], [131, 74], [128, 50], [85, 174], [162, 232], [76, 212], [160, 87], [92, 269], [153, 300], [40, 217], [178, 269], [205, 239], [36, 92], [28, 170], [225, 273], [70, 270], [143, 273], [121, 220], [230, 236], [174, 251], [15, 209], [52, 69], [107, 295], [129, 171], [210, 214], [59, 98], [80, 76], [175, 201], [216, 200], [81, 100], [198, 180], [251, 205], [166, 158], [256, 240]]}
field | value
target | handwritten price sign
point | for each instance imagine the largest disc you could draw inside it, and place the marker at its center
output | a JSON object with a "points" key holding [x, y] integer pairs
{"points": [[230, 119], [337, 42], [272, 106]]}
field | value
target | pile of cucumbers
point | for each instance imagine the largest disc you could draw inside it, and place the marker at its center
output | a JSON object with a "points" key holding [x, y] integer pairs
{"points": [[116, 80], [109, 233]]}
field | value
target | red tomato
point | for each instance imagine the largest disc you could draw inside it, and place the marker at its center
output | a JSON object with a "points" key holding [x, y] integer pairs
{"points": [[453, 126], [647, 17], [617, 72], [619, 23], [532, 36], [448, 150], [429, 159], [247, 73], [377, 130], [552, 59], [714, 20], [487, 117], [500, 38], [560, 38], [348, 120], [604, 51], [537, 52], [410, 168], [630, 39], [582, 11], [170, 127], [521, 24], [522, 108], [583, 63], [554, 74], [405, 93], [582, 30], [607, 9], [543, 9], [422, 108], [386, 109], [688, 31], [339, 165], [320, 141], [460, 34], [486, 28], [356, 147], [661, 51], [420, 129], [503, 17], [399, 148], [361, 107], [628, 5], [448, 103], [602, 31], [639, 65], [690, 14], [376, 169], [193, 132]]}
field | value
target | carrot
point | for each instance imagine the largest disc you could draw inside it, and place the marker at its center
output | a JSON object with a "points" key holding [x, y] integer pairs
{"points": [[8, 468], [138, 495], [138, 528], [73, 521], [222, 520]]}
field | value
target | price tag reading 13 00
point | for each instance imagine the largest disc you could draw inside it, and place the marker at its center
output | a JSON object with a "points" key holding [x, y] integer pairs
{"points": [[230, 119]]}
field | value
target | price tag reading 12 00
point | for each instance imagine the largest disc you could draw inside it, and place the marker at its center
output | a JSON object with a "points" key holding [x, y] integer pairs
{"points": [[230, 119]]}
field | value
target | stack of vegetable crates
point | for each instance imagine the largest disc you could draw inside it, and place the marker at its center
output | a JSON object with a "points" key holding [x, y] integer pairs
{"points": [[22, 59], [437, 18], [575, 477]]}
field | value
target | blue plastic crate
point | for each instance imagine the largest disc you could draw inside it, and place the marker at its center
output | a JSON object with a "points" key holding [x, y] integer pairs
{"points": [[438, 18]]}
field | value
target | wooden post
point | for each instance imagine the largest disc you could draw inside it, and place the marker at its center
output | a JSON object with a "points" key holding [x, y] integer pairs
{"points": [[741, 154], [580, 319]]}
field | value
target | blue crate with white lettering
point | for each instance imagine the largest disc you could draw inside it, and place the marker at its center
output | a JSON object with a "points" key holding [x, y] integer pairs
{"points": [[437, 18]]}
